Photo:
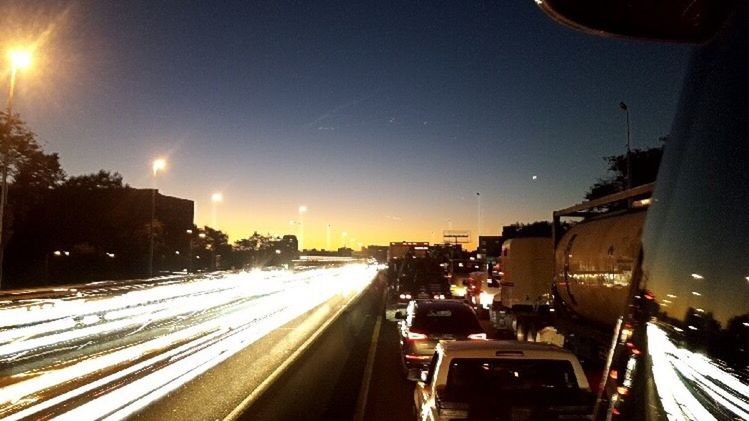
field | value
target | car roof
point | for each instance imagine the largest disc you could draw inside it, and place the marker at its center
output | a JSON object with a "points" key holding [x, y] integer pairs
{"points": [[505, 349], [512, 350], [441, 303]]}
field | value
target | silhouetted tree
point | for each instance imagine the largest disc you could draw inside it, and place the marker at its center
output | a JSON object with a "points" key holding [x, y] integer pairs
{"points": [[645, 165], [28, 165], [30, 171], [211, 247], [99, 180], [533, 229], [254, 242]]}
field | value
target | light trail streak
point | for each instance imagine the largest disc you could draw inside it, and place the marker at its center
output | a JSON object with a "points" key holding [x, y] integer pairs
{"points": [[111, 351], [681, 376]]}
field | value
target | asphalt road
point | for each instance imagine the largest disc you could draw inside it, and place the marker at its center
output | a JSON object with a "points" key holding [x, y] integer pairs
{"points": [[183, 348], [390, 395]]}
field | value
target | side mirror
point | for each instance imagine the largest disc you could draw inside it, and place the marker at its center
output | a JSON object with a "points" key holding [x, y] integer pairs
{"points": [[399, 315], [664, 20], [417, 375]]}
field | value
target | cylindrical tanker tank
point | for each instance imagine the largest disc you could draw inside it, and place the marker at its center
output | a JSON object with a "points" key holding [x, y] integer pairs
{"points": [[594, 262]]}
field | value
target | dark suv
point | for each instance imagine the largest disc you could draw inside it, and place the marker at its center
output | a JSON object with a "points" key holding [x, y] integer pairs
{"points": [[426, 322]]}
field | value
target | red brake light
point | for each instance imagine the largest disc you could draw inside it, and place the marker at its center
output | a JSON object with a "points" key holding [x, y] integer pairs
{"points": [[415, 336]]}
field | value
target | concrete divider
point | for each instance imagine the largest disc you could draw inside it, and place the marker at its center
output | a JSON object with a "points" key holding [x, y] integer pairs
{"points": [[322, 381]]}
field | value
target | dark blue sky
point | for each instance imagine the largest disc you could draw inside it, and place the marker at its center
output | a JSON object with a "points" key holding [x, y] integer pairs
{"points": [[383, 117]]}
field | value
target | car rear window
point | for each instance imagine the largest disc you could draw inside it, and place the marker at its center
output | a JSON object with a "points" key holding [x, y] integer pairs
{"points": [[468, 376], [447, 319]]}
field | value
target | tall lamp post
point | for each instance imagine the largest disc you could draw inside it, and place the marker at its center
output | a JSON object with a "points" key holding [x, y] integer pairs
{"points": [[216, 198], [478, 220], [624, 108], [158, 165], [18, 60], [302, 210]]}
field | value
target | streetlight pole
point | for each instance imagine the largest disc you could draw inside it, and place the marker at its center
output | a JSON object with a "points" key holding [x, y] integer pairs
{"points": [[189, 250], [216, 198], [18, 60], [478, 220], [624, 108], [302, 210], [158, 165]]}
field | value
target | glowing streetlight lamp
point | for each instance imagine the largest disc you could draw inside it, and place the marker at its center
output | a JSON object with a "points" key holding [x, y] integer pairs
{"points": [[19, 59], [157, 165]]}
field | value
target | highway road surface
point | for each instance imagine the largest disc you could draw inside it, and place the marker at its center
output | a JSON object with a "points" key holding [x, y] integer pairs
{"points": [[205, 343]]}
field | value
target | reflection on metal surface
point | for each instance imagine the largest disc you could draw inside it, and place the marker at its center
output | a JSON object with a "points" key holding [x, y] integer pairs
{"points": [[689, 315], [689, 384]]}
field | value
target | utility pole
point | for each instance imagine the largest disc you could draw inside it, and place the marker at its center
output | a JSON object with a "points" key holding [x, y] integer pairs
{"points": [[478, 225], [624, 108], [18, 60]]}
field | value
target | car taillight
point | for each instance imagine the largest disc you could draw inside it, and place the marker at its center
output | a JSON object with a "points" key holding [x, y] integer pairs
{"points": [[477, 336], [415, 336]]}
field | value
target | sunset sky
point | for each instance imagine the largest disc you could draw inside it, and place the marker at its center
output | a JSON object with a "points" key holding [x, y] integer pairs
{"points": [[384, 118]]}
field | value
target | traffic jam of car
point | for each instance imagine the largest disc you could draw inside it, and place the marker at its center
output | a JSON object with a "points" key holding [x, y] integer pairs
{"points": [[467, 355]]}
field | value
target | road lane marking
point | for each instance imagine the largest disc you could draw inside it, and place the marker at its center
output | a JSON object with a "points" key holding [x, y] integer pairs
{"points": [[361, 402]]}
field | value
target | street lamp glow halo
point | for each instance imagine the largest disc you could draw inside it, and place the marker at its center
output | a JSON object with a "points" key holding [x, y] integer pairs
{"points": [[217, 197], [159, 164], [20, 59], [302, 209]]}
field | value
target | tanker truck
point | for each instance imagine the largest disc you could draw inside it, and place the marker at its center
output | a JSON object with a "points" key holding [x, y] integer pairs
{"points": [[593, 264]]}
